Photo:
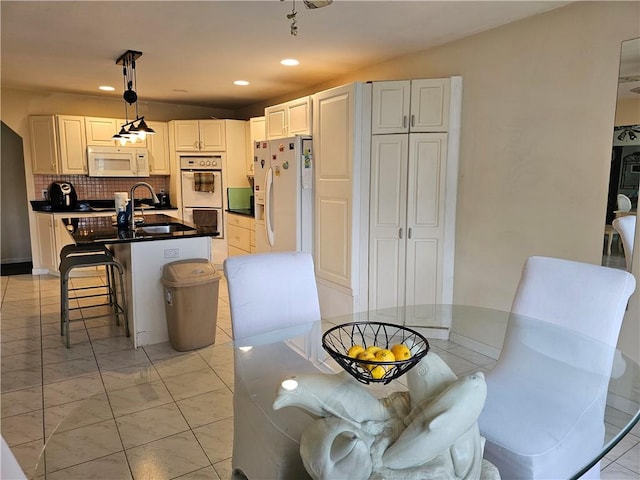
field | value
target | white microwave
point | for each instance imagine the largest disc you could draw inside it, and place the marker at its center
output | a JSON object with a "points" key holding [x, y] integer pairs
{"points": [[118, 162]]}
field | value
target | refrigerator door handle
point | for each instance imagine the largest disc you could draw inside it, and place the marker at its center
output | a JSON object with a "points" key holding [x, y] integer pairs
{"points": [[267, 206]]}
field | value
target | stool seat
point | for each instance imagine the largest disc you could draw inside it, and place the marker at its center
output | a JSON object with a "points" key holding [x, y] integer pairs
{"points": [[81, 256]]}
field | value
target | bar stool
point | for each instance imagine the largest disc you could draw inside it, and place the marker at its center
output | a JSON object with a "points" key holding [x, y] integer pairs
{"points": [[79, 256]]}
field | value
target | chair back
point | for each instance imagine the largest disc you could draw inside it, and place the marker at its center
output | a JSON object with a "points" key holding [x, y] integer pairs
{"points": [[270, 291], [626, 228], [624, 203], [587, 298]]}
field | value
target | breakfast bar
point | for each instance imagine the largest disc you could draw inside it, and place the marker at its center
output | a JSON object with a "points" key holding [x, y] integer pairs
{"points": [[143, 251]]}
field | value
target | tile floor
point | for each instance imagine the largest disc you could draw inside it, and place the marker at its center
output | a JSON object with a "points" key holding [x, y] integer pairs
{"points": [[120, 413]]}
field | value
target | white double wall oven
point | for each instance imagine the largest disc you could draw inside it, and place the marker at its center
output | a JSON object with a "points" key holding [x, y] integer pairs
{"points": [[202, 195]]}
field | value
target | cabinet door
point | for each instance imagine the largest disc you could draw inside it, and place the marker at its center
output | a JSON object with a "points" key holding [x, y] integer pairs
{"points": [[333, 144], [425, 218], [299, 117], [73, 145], [430, 105], [275, 121], [256, 132], [158, 145], [212, 136], [101, 130], [387, 225], [46, 241], [44, 148], [187, 135], [390, 107]]}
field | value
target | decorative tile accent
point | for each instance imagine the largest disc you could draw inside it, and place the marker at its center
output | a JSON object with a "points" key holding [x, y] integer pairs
{"points": [[92, 188]]}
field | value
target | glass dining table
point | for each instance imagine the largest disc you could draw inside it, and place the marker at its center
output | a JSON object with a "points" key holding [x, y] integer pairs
{"points": [[468, 339]]}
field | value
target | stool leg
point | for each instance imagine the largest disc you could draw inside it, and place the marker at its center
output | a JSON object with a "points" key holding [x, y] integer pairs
{"points": [[66, 315], [609, 242], [123, 296]]}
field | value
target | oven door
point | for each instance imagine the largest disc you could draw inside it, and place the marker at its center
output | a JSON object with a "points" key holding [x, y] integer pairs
{"points": [[205, 217], [201, 188]]}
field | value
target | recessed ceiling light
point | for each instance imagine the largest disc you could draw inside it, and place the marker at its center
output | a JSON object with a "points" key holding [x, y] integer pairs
{"points": [[106, 88], [289, 62], [241, 82]]}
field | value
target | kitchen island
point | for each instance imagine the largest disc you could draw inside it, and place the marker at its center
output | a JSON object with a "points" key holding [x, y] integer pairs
{"points": [[143, 252]]}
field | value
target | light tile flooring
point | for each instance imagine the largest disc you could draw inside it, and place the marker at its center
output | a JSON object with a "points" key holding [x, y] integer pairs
{"points": [[150, 413]]}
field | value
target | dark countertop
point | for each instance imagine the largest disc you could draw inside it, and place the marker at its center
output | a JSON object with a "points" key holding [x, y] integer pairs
{"points": [[101, 230], [247, 212], [89, 206]]}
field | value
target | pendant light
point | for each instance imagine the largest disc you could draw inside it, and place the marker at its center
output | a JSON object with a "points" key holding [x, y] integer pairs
{"points": [[133, 133]]}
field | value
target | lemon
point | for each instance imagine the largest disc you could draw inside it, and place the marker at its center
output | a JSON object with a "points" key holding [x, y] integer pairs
{"points": [[384, 355], [378, 371], [355, 350], [366, 356], [372, 349], [401, 351]]}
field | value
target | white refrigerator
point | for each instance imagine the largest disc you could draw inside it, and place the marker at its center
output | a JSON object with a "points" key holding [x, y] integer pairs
{"points": [[283, 185]]}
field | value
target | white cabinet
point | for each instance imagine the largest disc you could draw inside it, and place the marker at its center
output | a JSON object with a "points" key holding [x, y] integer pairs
{"points": [[408, 174], [158, 146], [410, 106], [100, 131], [256, 132], [199, 135], [288, 119], [235, 169], [58, 144], [240, 234], [52, 236], [47, 241]]}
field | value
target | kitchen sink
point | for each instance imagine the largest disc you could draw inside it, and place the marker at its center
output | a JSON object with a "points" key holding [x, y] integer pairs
{"points": [[164, 228]]}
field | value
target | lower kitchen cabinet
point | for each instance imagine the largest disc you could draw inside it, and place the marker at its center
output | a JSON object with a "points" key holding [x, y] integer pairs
{"points": [[241, 238]]}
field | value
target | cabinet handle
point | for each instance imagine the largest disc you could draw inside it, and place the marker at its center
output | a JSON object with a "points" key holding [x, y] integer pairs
{"points": [[400, 233], [195, 144], [409, 233], [404, 121], [413, 120]]}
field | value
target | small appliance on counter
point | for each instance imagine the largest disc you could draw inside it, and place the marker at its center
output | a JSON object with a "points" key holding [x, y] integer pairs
{"points": [[163, 199], [240, 199], [62, 196]]}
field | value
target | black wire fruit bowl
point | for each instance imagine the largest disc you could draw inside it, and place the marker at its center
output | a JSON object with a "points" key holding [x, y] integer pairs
{"points": [[339, 341]]}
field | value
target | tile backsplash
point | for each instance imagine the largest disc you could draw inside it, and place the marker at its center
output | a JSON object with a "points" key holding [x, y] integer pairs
{"points": [[99, 188]]}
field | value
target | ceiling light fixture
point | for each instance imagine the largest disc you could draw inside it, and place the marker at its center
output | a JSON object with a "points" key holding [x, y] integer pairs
{"points": [[289, 62], [106, 88], [133, 133], [311, 4], [241, 83], [632, 130]]}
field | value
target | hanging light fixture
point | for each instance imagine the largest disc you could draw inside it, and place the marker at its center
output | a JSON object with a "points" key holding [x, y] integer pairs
{"points": [[130, 132], [632, 130], [311, 4]]}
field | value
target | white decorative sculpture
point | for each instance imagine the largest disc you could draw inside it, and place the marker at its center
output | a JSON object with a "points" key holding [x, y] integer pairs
{"points": [[429, 432]]}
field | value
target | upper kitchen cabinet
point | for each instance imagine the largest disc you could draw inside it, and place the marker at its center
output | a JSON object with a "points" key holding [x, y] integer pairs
{"points": [[158, 146], [199, 135], [58, 144], [256, 132], [100, 131], [410, 106], [288, 119]]}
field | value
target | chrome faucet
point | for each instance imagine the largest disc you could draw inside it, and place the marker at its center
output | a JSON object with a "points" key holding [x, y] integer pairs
{"points": [[132, 223]]}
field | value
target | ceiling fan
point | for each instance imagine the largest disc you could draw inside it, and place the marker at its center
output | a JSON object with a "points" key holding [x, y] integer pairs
{"points": [[311, 4]]}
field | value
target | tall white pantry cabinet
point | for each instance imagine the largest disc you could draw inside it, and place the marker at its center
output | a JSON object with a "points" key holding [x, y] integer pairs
{"points": [[385, 203]]}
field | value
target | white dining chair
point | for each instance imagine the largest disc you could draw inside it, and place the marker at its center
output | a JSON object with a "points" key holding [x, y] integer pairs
{"points": [[544, 413], [624, 202], [626, 228], [268, 292]]}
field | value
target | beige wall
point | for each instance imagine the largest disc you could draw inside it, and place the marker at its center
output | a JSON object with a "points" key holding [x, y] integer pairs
{"points": [[628, 111]]}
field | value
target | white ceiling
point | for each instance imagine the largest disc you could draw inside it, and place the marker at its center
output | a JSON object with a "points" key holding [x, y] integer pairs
{"points": [[192, 51]]}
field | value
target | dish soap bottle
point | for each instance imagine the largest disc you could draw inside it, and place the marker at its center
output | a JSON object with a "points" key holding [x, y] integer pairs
{"points": [[121, 219]]}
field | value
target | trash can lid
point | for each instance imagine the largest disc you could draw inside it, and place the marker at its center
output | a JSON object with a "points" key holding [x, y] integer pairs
{"points": [[190, 272]]}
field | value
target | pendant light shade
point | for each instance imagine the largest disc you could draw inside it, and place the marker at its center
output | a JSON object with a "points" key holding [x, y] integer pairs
{"points": [[130, 132]]}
